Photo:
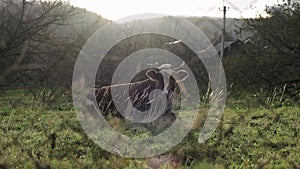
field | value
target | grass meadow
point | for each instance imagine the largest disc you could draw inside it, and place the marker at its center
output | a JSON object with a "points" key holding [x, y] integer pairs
{"points": [[255, 132]]}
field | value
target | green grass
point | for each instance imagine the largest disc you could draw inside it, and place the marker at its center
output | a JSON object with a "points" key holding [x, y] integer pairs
{"points": [[250, 136]]}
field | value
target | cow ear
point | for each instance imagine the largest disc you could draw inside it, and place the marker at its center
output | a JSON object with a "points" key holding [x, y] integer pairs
{"points": [[184, 75], [152, 74]]}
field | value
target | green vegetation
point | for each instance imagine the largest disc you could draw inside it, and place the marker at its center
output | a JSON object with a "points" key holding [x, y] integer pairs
{"points": [[250, 136], [270, 58]]}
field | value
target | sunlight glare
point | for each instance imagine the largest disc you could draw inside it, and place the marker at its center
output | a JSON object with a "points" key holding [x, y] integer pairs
{"points": [[116, 9]]}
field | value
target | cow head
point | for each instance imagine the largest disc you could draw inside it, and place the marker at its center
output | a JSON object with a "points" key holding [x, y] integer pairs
{"points": [[172, 76]]}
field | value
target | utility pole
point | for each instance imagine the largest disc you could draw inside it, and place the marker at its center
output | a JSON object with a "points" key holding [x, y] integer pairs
{"points": [[223, 30]]}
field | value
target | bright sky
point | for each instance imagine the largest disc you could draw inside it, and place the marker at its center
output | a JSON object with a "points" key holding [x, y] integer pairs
{"points": [[117, 9]]}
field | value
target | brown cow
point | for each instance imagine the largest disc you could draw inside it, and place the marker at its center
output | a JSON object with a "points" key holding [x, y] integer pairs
{"points": [[161, 78]]}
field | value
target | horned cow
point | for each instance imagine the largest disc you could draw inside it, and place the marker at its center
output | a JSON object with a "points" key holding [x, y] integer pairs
{"points": [[164, 78]]}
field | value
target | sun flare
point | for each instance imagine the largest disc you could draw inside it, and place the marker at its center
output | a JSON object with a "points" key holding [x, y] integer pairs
{"points": [[116, 9]]}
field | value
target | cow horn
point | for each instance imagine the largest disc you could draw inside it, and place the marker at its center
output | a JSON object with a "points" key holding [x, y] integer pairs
{"points": [[166, 66], [180, 66]]}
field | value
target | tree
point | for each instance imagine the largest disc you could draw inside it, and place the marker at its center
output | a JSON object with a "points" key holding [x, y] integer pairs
{"points": [[39, 44], [26, 35], [273, 58]]}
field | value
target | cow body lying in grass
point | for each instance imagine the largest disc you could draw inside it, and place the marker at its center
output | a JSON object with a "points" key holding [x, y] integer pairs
{"points": [[138, 93]]}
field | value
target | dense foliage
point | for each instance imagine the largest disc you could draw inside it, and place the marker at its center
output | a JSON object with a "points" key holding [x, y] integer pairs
{"points": [[271, 57]]}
